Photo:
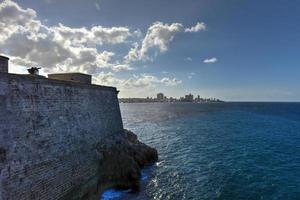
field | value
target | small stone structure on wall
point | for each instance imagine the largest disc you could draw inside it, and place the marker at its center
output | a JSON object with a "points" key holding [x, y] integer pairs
{"points": [[75, 77]]}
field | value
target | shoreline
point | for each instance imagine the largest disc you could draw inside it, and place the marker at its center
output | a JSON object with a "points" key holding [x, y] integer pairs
{"points": [[112, 193], [122, 159]]}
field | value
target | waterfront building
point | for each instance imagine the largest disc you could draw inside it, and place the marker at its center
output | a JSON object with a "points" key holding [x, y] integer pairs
{"points": [[160, 96], [189, 98]]}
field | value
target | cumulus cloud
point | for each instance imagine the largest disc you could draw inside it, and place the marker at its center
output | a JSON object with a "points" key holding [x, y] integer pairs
{"points": [[11, 14], [97, 35], [137, 81], [28, 41], [200, 26], [210, 60], [113, 35], [171, 81], [107, 78], [137, 85], [133, 54], [121, 67], [158, 36]]}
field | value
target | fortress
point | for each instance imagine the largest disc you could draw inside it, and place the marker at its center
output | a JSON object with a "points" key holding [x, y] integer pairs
{"points": [[62, 138]]}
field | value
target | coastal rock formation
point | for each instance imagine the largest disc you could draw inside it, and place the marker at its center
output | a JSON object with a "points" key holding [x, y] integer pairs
{"points": [[122, 157]]}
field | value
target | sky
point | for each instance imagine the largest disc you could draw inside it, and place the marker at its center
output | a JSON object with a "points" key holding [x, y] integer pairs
{"points": [[235, 50]]}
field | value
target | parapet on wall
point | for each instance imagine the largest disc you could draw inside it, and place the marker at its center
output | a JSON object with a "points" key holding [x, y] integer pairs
{"points": [[48, 133], [74, 77]]}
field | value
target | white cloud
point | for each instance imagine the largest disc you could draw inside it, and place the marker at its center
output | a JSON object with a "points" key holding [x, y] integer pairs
{"points": [[188, 59], [143, 81], [158, 36], [200, 26], [97, 4], [121, 67], [97, 35], [210, 60], [29, 42], [133, 54], [137, 85], [60, 48], [107, 79], [171, 81], [113, 35], [11, 14]]}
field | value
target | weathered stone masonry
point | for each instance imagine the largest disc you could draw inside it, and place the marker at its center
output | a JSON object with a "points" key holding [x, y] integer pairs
{"points": [[49, 130]]}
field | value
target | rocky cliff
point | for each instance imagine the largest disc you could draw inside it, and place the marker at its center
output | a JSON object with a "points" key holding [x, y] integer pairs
{"points": [[122, 157]]}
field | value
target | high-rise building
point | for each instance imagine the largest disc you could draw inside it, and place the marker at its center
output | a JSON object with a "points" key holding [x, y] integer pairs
{"points": [[160, 96], [189, 98]]}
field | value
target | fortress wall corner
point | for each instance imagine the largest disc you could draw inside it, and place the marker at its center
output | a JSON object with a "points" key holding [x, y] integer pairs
{"points": [[48, 133]]}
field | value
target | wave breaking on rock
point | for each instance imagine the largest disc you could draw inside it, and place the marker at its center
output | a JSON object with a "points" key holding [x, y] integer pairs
{"points": [[122, 156]]}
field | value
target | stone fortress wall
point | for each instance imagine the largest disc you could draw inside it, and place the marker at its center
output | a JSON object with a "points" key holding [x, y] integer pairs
{"points": [[49, 130]]}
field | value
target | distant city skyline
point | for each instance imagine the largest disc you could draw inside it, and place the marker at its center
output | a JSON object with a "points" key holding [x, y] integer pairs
{"points": [[231, 50], [162, 98]]}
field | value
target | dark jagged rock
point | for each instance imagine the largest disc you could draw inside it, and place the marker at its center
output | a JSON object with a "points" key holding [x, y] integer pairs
{"points": [[122, 157]]}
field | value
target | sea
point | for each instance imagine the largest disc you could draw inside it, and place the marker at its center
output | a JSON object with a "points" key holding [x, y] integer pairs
{"points": [[217, 150]]}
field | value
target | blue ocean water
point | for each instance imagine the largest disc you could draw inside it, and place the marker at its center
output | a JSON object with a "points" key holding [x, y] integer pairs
{"points": [[217, 151]]}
